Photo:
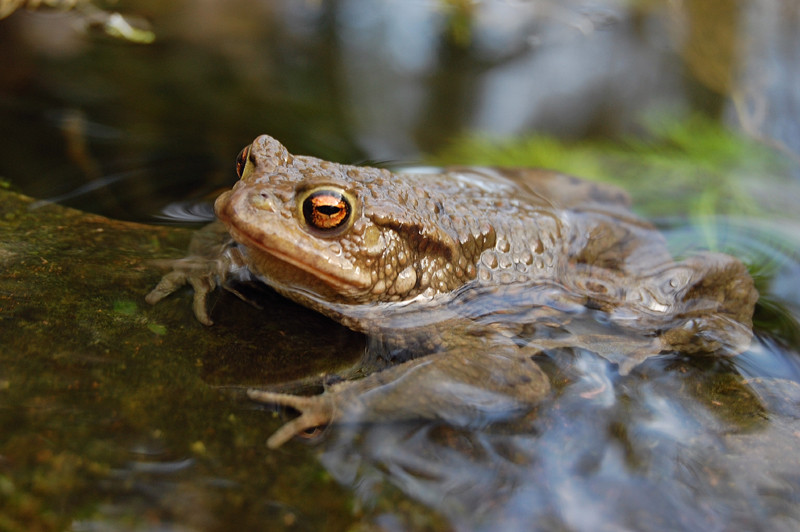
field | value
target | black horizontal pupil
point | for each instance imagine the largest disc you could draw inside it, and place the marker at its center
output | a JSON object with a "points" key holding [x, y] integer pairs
{"points": [[329, 210]]}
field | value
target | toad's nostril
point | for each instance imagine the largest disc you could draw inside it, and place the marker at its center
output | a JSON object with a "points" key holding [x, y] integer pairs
{"points": [[262, 200]]}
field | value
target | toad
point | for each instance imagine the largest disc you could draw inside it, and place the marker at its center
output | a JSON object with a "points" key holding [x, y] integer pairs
{"points": [[462, 279]]}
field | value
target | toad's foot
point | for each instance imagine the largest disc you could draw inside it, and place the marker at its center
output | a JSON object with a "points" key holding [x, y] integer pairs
{"points": [[196, 272], [315, 411]]}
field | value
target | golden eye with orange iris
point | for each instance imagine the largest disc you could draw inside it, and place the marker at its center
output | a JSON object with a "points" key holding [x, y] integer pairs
{"points": [[241, 160], [327, 209]]}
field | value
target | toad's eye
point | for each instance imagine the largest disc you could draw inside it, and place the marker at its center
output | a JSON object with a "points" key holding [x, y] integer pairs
{"points": [[326, 209], [241, 160]]}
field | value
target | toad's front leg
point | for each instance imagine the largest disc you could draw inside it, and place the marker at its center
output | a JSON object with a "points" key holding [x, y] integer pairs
{"points": [[464, 388], [213, 258]]}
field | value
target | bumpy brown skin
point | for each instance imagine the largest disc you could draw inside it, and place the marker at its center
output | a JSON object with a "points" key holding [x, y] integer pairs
{"points": [[430, 264]]}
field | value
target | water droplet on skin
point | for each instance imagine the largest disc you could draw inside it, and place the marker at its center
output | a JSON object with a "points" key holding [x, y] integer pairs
{"points": [[489, 259]]}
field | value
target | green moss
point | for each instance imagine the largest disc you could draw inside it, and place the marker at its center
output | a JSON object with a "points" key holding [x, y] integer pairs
{"points": [[157, 329], [127, 308]]}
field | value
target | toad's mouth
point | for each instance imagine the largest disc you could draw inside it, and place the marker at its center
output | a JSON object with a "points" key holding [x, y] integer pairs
{"points": [[274, 256]]}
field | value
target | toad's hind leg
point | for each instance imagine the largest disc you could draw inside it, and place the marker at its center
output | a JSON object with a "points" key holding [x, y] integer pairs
{"points": [[713, 305], [464, 388]]}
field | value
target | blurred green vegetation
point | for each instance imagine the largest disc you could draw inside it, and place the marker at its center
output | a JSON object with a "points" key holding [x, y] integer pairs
{"points": [[676, 167]]}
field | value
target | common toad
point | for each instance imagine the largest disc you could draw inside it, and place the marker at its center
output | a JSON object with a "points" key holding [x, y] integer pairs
{"points": [[461, 279]]}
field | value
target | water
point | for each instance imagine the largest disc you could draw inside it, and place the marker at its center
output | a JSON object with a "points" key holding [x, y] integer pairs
{"points": [[128, 431]]}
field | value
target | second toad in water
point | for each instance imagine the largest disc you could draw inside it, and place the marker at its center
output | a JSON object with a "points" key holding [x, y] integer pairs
{"points": [[460, 279]]}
